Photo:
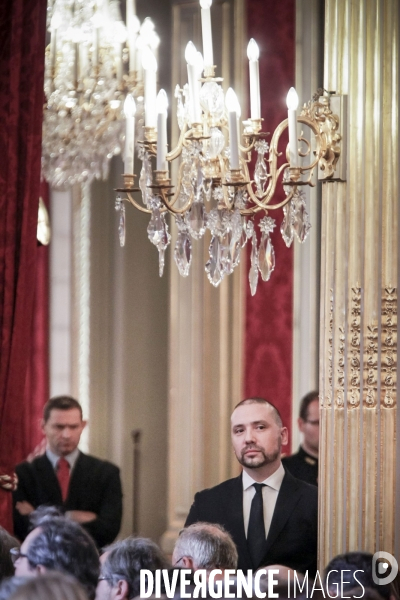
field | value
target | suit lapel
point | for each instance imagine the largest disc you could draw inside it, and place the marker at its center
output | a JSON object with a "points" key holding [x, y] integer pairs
{"points": [[76, 482], [235, 512], [48, 480], [288, 497]]}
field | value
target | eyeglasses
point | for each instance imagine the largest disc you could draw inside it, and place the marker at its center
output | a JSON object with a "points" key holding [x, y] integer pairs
{"points": [[15, 554], [104, 578], [181, 558], [316, 422]]}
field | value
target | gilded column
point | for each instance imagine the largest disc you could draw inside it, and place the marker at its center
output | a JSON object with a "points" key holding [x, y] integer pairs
{"points": [[359, 500]]}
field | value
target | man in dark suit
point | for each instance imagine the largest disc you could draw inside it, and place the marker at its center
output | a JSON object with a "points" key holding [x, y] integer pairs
{"points": [[86, 488], [271, 516], [304, 464]]}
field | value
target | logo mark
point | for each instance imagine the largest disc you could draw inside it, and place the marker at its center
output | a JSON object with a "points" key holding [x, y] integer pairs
{"points": [[384, 568]]}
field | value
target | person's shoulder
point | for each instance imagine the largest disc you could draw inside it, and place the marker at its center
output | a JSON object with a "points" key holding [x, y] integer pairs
{"points": [[291, 459], [93, 462], [302, 486], [226, 487], [31, 465]]}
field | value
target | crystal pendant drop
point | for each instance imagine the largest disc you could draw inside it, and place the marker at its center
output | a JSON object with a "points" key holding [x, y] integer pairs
{"points": [[301, 221], [183, 252], [266, 257], [118, 202], [287, 224], [260, 174], [161, 261], [243, 237], [253, 273], [122, 226], [197, 220], [225, 253], [266, 254], [155, 227], [212, 267]]}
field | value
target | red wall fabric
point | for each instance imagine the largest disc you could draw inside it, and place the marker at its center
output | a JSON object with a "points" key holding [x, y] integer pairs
{"points": [[22, 42], [37, 378], [269, 314]]}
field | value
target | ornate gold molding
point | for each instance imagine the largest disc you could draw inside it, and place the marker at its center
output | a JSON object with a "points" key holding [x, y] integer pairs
{"points": [[389, 348]]}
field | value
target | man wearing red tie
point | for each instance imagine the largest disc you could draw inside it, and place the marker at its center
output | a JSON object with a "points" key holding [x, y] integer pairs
{"points": [[86, 488]]}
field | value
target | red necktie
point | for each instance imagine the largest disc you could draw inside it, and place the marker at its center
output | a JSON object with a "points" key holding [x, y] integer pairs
{"points": [[63, 476]]}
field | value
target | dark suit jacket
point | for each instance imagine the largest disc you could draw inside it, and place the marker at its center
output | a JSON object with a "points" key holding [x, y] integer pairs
{"points": [[95, 486], [292, 538]]}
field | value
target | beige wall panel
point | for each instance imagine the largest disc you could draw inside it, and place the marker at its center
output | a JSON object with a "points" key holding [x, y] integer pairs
{"points": [[359, 270]]}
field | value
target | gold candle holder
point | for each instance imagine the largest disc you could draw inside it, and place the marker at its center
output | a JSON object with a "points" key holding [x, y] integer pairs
{"points": [[150, 134]]}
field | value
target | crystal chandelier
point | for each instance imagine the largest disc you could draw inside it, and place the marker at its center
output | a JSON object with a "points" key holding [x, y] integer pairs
{"points": [[214, 166], [93, 59]]}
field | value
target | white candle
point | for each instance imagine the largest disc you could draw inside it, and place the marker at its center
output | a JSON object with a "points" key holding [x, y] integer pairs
{"points": [[129, 110], [253, 54], [292, 101], [95, 53], [207, 33], [162, 106], [55, 24], [233, 107], [192, 69], [150, 83], [133, 29], [83, 59], [118, 61]]}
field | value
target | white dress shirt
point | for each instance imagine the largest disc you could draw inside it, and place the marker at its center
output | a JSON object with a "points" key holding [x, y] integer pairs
{"points": [[71, 458], [270, 493]]}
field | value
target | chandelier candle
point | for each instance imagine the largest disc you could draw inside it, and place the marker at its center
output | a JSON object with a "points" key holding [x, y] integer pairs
{"points": [[292, 101], [162, 107], [129, 110], [150, 69], [233, 107], [192, 69], [55, 24], [133, 31], [207, 34], [253, 54]]}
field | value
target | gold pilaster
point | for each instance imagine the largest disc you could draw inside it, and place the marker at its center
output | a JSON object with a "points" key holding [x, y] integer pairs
{"points": [[358, 344]]}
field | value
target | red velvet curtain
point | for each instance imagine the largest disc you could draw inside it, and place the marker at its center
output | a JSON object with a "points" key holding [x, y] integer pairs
{"points": [[22, 42], [269, 314]]}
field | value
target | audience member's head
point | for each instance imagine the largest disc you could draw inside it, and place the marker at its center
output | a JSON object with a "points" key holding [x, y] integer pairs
{"points": [[358, 567], [121, 564], [205, 546], [51, 586], [284, 581], [41, 513], [308, 422], [7, 542], [60, 545], [10, 585], [62, 424]]}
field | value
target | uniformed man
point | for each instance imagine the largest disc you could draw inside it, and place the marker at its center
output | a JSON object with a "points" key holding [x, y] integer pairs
{"points": [[304, 464]]}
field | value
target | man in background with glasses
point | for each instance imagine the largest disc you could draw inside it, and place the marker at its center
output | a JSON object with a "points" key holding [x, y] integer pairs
{"points": [[304, 464]]}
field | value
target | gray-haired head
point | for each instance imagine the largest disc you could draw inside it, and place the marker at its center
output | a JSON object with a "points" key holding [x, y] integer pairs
{"points": [[205, 546], [64, 546], [125, 559]]}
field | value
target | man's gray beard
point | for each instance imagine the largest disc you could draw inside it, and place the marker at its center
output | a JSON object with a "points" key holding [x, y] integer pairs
{"points": [[266, 460]]}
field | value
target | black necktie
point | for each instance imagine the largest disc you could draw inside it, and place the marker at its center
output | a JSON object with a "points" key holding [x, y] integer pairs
{"points": [[256, 529]]}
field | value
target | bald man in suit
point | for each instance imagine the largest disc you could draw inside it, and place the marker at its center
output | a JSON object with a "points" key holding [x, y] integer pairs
{"points": [[271, 516]]}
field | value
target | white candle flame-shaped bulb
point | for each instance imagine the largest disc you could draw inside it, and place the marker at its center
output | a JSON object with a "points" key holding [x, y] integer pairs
{"points": [[55, 21], [253, 52], [255, 103], [190, 53], [234, 111], [193, 76], [292, 101], [207, 33], [162, 107], [129, 111], [150, 69]]}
